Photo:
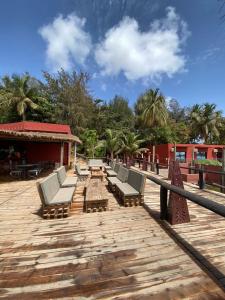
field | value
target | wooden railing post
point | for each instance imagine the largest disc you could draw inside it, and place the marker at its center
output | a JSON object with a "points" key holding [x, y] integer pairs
{"points": [[163, 203], [201, 181], [144, 164], [157, 168], [223, 169]]}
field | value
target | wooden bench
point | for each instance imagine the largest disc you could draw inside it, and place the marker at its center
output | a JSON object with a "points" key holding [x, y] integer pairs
{"points": [[56, 201], [131, 193], [95, 199]]}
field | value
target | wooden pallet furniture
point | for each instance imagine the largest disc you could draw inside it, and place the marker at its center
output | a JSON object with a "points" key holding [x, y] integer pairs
{"points": [[114, 171], [95, 199], [65, 181], [131, 193], [95, 163], [121, 177], [56, 201], [97, 174], [82, 174]]}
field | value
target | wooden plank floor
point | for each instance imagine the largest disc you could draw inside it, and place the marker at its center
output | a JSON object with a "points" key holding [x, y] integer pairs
{"points": [[119, 254], [203, 236]]}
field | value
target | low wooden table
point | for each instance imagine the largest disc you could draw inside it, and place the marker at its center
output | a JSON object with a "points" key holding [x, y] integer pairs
{"points": [[97, 174], [95, 199]]}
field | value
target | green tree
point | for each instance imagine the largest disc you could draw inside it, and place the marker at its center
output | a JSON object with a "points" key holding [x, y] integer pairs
{"points": [[130, 144], [205, 122], [112, 142], [70, 98], [90, 142], [119, 115], [19, 92], [151, 109]]}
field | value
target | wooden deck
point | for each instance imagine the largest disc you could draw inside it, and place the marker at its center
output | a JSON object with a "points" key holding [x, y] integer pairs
{"points": [[119, 254], [203, 236]]}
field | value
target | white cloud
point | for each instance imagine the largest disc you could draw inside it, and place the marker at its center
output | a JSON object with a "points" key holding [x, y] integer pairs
{"points": [[144, 54], [67, 42]]}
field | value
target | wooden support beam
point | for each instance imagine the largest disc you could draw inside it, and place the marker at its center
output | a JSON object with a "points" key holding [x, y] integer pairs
{"points": [[75, 154], [61, 153]]}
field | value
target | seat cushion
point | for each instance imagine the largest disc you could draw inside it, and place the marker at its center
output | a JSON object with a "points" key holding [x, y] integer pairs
{"points": [[113, 180], [127, 190], [70, 182], [111, 173], [84, 173], [107, 167], [63, 196]]}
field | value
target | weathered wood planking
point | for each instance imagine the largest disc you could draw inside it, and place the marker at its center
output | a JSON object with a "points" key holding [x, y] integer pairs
{"points": [[204, 236], [119, 254]]}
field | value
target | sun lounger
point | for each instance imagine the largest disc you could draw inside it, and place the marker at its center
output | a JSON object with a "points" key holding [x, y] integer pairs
{"points": [[131, 193], [55, 200], [122, 176], [82, 175], [65, 181]]}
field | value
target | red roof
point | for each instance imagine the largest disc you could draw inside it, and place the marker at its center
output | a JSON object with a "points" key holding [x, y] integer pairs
{"points": [[37, 126]]}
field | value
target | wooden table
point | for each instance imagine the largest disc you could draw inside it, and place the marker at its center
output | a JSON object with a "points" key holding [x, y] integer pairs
{"points": [[97, 174], [25, 168], [95, 199]]}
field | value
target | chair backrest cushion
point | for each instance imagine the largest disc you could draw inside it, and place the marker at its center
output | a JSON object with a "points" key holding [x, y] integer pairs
{"points": [[137, 181], [123, 174], [78, 168], [116, 167], [50, 187], [61, 172], [112, 164]]}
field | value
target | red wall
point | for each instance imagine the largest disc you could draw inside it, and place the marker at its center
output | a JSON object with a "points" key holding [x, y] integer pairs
{"points": [[40, 151], [163, 151]]}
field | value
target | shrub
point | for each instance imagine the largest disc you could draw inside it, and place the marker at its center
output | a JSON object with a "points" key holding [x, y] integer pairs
{"points": [[208, 162]]}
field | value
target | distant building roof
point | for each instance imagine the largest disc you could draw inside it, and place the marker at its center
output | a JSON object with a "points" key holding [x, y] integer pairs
{"points": [[37, 127]]}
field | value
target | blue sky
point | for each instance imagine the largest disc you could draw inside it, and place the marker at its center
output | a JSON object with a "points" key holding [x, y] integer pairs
{"points": [[126, 46]]}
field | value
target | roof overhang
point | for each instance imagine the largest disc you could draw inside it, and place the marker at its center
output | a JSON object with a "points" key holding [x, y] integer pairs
{"points": [[38, 136]]}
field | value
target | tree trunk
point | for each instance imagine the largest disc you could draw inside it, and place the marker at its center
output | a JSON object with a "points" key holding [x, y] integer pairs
{"points": [[24, 116]]}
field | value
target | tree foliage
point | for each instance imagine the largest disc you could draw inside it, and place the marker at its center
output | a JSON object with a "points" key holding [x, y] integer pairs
{"points": [[107, 127]]}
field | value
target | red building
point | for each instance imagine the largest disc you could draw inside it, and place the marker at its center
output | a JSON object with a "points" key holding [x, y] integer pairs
{"points": [[37, 141], [185, 152]]}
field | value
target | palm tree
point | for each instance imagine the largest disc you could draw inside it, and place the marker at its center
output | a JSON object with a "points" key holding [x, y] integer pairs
{"points": [[151, 108], [112, 142], [19, 91], [130, 145], [205, 121]]}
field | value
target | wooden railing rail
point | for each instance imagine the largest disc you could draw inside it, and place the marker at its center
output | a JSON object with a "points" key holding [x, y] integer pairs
{"points": [[202, 201]]}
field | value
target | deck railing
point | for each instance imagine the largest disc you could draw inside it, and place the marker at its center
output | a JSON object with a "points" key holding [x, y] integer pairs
{"points": [[202, 201], [155, 167]]}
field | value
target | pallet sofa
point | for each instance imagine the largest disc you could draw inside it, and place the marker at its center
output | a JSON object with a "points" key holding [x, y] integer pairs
{"points": [[121, 177], [82, 174], [114, 171], [128, 185], [56, 201], [131, 193], [65, 181]]}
